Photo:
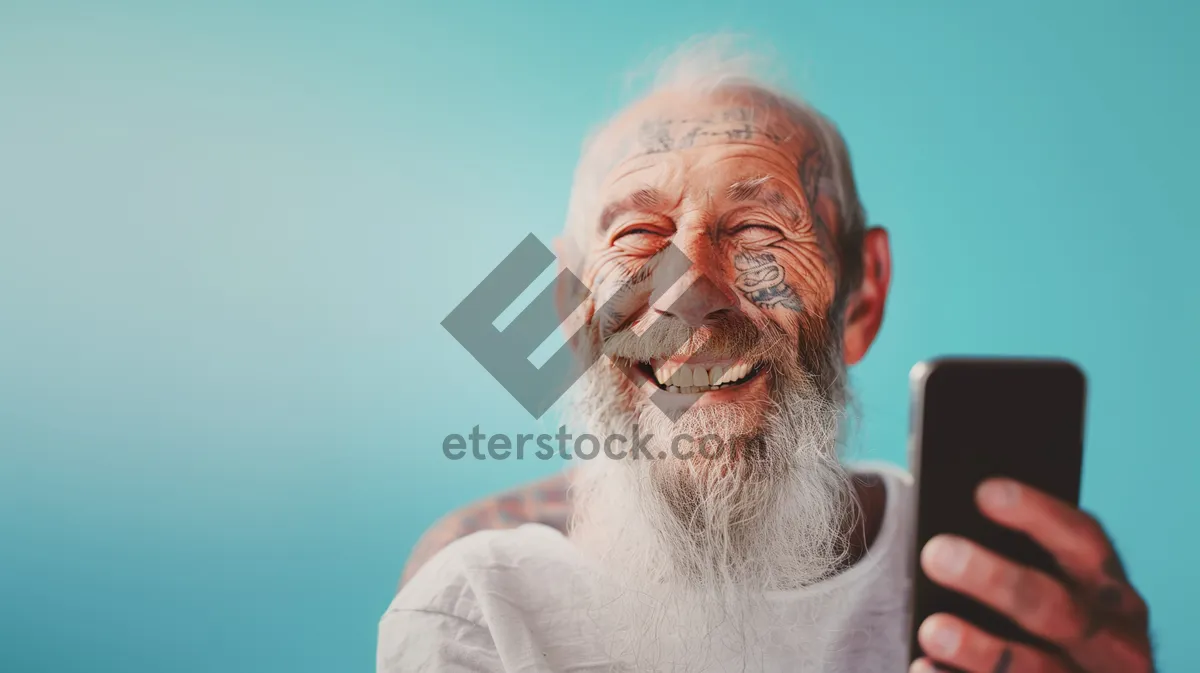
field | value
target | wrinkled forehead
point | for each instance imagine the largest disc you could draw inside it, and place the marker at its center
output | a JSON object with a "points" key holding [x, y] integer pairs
{"points": [[674, 121], [655, 131]]}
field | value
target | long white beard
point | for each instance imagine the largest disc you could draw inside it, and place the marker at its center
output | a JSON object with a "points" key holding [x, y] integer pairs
{"points": [[686, 549]]}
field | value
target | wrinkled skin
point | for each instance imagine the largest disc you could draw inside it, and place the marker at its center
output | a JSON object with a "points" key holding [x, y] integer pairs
{"points": [[737, 189]]}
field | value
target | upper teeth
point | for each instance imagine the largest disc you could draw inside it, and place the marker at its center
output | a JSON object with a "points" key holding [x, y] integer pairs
{"points": [[694, 376]]}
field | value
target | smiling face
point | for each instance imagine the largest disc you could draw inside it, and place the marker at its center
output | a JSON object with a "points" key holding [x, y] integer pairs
{"points": [[725, 292], [714, 227]]}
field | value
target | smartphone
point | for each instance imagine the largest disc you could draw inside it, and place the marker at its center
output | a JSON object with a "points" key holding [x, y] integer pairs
{"points": [[978, 418]]}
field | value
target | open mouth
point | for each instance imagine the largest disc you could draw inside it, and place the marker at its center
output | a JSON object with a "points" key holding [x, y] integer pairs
{"points": [[681, 377]]}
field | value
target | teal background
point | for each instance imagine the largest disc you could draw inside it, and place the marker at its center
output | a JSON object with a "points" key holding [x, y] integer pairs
{"points": [[228, 232]]}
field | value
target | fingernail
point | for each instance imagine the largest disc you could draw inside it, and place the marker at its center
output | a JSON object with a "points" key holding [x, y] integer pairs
{"points": [[949, 555], [944, 640], [999, 493], [922, 666]]}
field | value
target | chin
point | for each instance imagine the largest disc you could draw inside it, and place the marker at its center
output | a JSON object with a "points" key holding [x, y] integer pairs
{"points": [[714, 440]]}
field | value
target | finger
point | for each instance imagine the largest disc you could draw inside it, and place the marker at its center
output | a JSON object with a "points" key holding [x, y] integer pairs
{"points": [[954, 642], [1035, 601], [1076, 540], [1111, 650], [926, 665], [922, 665]]}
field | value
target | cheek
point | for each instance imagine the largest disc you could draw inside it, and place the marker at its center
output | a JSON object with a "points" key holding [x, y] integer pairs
{"points": [[809, 273], [604, 276], [615, 299], [782, 277]]}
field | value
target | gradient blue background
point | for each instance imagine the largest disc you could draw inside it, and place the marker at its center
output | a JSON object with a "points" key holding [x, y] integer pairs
{"points": [[228, 235]]}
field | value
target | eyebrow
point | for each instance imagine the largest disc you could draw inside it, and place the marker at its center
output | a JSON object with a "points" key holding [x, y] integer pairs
{"points": [[644, 199], [756, 190], [748, 190]]}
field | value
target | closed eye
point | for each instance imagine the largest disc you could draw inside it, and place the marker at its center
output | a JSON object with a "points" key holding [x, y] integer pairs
{"points": [[755, 227], [640, 231], [637, 230], [638, 238], [756, 233]]}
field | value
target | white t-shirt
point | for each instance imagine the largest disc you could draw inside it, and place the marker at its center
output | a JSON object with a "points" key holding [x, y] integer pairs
{"points": [[511, 601]]}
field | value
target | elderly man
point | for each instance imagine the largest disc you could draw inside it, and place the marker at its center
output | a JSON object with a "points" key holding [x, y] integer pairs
{"points": [[731, 280]]}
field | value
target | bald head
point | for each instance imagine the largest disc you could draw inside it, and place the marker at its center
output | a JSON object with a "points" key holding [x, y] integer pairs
{"points": [[714, 202], [691, 119], [671, 120]]}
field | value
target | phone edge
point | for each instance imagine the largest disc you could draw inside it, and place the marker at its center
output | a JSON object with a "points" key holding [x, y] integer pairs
{"points": [[917, 376]]}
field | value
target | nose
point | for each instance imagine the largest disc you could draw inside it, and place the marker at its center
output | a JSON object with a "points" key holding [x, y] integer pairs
{"points": [[701, 302], [700, 295]]}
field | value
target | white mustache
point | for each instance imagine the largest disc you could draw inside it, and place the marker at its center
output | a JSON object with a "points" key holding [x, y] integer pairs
{"points": [[668, 336]]}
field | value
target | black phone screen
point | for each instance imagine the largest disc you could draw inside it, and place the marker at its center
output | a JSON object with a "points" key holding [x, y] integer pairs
{"points": [[974, 419]]}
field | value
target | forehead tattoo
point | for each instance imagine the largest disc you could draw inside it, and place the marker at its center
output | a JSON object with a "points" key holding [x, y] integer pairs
{"points": [[667, 134]]}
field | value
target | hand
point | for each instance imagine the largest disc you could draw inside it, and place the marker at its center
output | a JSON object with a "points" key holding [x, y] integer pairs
{"points": [[1099, 621]]}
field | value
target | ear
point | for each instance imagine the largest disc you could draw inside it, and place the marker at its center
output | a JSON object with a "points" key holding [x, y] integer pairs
{"points": [[864, 312], [569, 290]]}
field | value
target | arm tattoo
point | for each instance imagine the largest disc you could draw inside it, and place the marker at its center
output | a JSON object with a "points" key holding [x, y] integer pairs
{"points": [[761, 280], [543, 502]]}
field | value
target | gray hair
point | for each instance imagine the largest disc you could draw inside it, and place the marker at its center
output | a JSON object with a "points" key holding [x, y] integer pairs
{"points": [[712, 64]]}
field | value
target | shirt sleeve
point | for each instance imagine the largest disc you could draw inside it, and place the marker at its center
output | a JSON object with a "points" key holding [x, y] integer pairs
{"points": [[424, 641]]}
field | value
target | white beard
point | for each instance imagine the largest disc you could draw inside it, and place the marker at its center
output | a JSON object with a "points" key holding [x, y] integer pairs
{"points": [[686, 549]]}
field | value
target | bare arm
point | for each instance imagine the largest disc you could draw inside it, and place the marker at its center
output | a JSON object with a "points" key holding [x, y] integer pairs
{"points": [[542, 502]]}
